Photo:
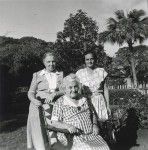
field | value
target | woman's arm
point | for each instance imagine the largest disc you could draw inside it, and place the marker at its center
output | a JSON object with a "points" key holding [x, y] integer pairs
{"points": [[58, 94], [32, 91], [52, 97], [106, 95], [59, 126]]}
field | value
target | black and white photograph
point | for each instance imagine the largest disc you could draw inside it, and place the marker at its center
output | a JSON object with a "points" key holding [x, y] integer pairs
{"points": [[73, 75]]}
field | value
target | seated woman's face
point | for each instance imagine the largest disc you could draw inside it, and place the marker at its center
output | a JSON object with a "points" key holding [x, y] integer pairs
{"points": [[49, 63], [72, 89]]}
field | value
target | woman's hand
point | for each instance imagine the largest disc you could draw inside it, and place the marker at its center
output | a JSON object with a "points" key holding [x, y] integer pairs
{"points": [[50, 98], [37, 103], [72, 129], [95, 130]]}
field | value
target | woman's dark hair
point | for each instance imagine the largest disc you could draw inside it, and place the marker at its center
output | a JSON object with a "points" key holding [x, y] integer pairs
{"points": [[90, 52]]}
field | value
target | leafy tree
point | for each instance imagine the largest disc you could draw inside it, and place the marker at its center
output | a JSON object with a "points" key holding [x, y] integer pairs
{"points": [[23, 56], [129, 29], [122, 59], [79, 29], [80, 33]]}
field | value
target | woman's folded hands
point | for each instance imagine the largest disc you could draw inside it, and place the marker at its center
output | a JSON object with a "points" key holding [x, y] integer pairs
{"points": [[50, 98], [74, 130], [63, 127]]}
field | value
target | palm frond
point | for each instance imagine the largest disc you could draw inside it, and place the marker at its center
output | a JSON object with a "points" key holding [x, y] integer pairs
{"points": [[136, 15], [145, 20], [119, 14], [103, 36], [111, 24]]}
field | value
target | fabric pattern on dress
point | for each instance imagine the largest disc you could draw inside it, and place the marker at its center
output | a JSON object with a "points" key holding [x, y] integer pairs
{"points": [[37, 136], [80, 117], [91, 84]]}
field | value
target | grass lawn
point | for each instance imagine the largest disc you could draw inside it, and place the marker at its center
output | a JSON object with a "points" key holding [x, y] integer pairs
{"points": [[15, 140], [142, 140], [15, 137], [13, 132], [13, 128]]}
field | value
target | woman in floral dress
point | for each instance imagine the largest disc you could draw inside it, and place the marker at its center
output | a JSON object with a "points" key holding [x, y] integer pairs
{"points": [[94, 85], [43, 90], [73, 110]]}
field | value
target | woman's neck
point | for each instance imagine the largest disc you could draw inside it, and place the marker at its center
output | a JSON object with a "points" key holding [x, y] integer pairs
{"points": [[74, 100], [49, 71], [90, 68]]}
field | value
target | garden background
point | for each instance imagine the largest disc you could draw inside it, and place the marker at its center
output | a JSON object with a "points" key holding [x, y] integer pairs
{"points": [[127, 71]]}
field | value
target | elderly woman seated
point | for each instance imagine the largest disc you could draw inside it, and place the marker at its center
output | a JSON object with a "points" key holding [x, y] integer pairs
{"points": [[73, 113]]}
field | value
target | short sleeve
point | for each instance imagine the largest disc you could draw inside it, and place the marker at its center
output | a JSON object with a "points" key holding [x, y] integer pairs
{"points": [[79, 73], [60, 83], [33, 85], [57, 110], [104, 74]]}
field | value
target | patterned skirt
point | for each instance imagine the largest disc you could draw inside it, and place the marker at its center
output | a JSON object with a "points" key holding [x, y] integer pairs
{"points": [[83, 142], [99, 105], [89, 142]]}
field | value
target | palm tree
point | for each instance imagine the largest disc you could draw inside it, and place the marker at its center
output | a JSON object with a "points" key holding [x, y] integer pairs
{"points": [[130, 29]]}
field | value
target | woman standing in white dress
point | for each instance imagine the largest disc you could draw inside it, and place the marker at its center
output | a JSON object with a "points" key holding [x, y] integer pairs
{"points": [[43, 90], [93, 80]]}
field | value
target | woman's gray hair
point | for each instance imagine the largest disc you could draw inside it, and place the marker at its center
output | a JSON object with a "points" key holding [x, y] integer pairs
{"points": [[71, 78], [48, 54]]}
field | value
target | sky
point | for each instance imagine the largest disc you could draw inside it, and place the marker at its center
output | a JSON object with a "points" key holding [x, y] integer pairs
{"points": [[44, 18]]}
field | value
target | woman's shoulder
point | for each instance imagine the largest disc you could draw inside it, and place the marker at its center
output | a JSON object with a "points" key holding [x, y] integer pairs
{"points": [[40, 72], [60, 100], [101, 70], [60, 74], [80, 71]]}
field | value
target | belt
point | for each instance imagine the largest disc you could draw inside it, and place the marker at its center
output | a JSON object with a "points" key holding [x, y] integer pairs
{"points": [[98, 91]]}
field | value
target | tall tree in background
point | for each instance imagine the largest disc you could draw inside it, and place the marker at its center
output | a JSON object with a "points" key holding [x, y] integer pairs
{"points": [[129, 29], [80, 30], [80, 33]]}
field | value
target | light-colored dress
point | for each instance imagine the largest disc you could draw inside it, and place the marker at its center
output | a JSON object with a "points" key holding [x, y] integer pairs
{"points": [[42, 85], [92, 83], [80, 117]]}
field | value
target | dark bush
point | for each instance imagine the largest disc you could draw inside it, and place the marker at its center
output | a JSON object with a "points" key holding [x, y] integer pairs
{"points": [[122, 100]]}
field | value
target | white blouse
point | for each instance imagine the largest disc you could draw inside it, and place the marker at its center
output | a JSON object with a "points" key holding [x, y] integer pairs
{"points": [[52, 78], [93, 80]]}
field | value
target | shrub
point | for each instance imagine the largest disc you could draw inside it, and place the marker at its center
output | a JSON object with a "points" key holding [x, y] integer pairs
{"points": [[127, 97], [122, 100]]}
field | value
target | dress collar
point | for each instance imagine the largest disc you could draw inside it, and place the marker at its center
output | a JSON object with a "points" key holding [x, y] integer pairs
{"points": [[69, 102], [43, 72]]}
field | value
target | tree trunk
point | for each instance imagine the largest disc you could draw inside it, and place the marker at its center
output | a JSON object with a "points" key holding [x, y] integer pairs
{"points": [[133, 65], [134, 72]]}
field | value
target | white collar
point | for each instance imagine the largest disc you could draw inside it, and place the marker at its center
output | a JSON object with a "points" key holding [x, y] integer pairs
{"points": [[43, 72], [68, 102]]}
